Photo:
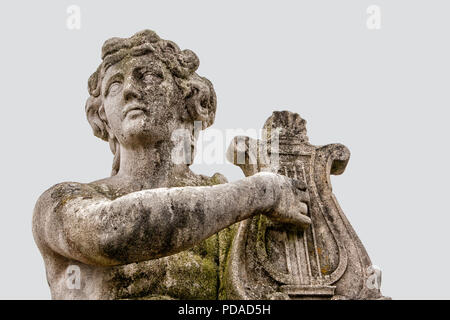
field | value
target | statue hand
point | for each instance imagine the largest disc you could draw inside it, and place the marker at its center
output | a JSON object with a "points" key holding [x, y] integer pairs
{"points": [[291, 205]]}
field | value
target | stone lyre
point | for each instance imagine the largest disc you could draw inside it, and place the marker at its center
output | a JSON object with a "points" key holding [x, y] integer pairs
{"points": [[269, 260]]}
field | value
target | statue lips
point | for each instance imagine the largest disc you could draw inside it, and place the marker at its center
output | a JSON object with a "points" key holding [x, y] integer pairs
{"points": [[134, 109]]}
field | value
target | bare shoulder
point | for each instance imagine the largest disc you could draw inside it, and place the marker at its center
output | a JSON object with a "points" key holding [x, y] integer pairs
{"points": [[60, 193], [51, 203]]}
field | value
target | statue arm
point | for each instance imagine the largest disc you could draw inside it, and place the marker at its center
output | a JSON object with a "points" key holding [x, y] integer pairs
{"points": [[148, 224]]}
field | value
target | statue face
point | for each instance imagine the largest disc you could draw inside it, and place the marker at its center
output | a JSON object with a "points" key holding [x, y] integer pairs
{"points": [[140, 100]]}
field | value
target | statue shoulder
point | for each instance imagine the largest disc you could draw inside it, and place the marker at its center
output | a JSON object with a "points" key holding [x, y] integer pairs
{"points": [[50, 205], [65, 191]]}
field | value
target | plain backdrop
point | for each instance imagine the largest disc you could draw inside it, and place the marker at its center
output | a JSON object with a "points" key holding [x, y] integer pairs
{"points": [[383, 93]]}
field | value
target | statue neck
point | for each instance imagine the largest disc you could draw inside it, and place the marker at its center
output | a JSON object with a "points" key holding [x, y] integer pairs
{"points": [[150, 166]]}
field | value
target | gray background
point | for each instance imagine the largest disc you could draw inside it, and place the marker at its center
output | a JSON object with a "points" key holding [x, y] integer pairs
{"points": [[383, 93]]}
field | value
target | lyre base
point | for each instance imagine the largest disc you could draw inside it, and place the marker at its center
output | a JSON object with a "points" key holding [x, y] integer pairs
{"points": [[308, 291]]}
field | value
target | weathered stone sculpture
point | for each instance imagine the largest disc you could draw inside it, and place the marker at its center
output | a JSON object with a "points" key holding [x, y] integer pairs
{"points": [[156, 230]]}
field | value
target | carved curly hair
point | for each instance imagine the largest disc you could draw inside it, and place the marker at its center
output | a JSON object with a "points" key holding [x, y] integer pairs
{"points": [[198, 92]]}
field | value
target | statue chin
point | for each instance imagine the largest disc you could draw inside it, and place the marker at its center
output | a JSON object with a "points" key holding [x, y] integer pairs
{"points": [[140, 129], [142, 133]]}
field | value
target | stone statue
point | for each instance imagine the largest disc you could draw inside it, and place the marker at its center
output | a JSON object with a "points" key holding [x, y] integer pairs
{"points": [[156, 230]]}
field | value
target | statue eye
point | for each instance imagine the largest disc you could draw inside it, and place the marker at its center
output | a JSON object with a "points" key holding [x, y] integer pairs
{"points": [[150, 77], [114, 88]]}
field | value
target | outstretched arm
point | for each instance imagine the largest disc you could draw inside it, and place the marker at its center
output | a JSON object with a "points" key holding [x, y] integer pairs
{"points": [[154, 223]]}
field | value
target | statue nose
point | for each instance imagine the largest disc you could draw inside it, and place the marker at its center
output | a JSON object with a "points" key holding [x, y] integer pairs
{"points": [[130, 91]]}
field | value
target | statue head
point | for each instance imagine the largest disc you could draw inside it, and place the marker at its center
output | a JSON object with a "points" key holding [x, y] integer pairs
{"points": [[144, 89]]}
